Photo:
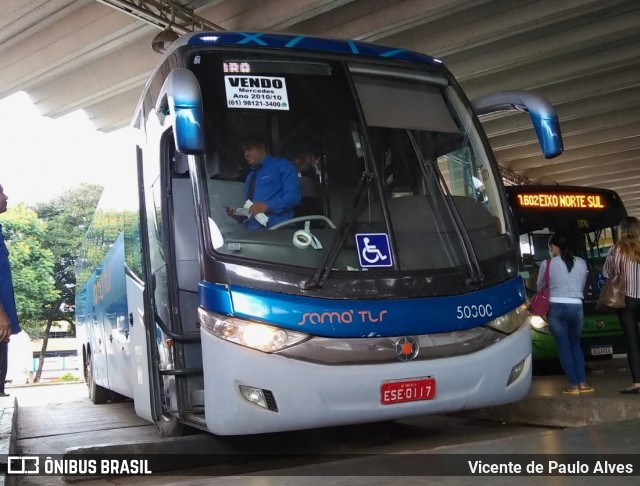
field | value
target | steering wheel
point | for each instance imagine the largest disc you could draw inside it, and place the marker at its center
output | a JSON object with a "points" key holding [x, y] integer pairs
{"points": [[300, 219]]}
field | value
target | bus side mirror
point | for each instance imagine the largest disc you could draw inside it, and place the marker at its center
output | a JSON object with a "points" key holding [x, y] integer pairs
{"points": [[181, 98], [543, 116]]}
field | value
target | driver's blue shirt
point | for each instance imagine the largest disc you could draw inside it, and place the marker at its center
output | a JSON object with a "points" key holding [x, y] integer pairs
{"points": [[6, 287], [277, 186]]}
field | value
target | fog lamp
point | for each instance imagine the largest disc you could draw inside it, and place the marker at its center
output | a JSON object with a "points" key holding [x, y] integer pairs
{"points": [[258, 396], [516, 371]]}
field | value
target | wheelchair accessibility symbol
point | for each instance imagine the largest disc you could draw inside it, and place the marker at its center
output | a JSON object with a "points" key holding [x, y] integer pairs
{"points": [[373, 250]]}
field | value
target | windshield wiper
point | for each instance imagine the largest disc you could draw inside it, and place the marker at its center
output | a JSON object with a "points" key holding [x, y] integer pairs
{"points": [[431, 174], [322, 273]]}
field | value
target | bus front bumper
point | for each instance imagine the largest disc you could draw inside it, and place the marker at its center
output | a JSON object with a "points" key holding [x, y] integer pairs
{"points": [[310, 395]]}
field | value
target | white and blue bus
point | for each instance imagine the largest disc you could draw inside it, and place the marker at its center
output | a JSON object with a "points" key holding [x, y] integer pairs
{"points": [[392, 292]]}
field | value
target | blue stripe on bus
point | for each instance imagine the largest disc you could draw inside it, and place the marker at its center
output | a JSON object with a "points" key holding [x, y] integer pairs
{"points": [[357, 318], [215, 297], [250, 38], [299, 42]]}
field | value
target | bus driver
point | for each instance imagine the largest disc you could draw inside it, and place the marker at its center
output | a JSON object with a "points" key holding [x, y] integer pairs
{"points": [[271, 188]]}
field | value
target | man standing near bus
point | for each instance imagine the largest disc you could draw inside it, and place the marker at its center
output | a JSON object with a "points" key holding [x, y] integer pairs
{"points": [[8, 314], [271, 189]]}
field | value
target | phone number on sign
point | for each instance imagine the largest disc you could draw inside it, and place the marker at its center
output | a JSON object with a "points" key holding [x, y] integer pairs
{"points": [[257, 103]]}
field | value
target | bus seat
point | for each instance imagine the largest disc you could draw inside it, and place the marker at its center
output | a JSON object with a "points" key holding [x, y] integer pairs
{"points": [[308, 187], [311, 201]]}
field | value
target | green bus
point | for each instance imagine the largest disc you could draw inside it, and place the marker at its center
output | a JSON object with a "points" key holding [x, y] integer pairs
{"points": [[590, 215]]}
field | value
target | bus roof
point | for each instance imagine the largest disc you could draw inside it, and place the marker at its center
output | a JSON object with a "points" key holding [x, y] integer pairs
{"points": [[566, 208], [304, 43]]}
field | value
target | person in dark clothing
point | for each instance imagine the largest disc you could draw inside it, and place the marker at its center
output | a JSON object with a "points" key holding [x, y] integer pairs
{"points": [[271, 188], [8, 313]]}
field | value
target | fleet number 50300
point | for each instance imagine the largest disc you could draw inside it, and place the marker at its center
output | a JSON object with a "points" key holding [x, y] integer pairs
{"points": [[471, 311]]}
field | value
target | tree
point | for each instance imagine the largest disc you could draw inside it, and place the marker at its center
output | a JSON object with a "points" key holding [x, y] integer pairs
{"points": [[67, 218], [32, 266]]}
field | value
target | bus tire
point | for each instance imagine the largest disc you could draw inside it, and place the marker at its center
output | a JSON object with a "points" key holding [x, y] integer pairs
{"points": [[169, 426], [97, 394]]}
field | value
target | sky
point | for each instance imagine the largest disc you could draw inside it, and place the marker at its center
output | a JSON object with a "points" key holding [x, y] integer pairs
{"points": [[43, 157]]}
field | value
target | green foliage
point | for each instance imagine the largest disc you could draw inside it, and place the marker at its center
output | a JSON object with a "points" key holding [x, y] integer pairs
{"points": [[32, 266], [68, 217], [68, 376], [44, 245]]}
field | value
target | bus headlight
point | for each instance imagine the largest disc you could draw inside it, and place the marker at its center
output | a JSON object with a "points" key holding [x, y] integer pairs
{"points": [[511, 321], [251, 334], [539, 324]]}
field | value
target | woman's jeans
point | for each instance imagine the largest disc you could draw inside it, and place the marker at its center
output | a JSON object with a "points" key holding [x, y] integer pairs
{"points": [[566, 322], [629, 317]]}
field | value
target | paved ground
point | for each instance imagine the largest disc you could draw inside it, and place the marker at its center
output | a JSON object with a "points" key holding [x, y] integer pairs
{"points": [[546, 404], [612, 420]]}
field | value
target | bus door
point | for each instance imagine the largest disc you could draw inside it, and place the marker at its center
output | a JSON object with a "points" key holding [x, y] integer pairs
{"points": [[160, 259], [175, 270], [182, 238], [143, 381]]}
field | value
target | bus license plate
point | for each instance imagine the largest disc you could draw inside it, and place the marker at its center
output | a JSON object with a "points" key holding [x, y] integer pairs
{"points": [[601, 350], [399, 391]]}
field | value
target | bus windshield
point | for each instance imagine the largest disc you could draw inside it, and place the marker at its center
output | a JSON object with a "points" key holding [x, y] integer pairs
{"points": [[378, 152]]}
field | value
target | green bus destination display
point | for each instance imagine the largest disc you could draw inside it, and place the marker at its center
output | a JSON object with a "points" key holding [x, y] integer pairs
{"points": [[561, 200]]}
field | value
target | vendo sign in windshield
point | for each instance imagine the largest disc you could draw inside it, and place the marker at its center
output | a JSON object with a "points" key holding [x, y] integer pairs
{"points": [[257, 92]]}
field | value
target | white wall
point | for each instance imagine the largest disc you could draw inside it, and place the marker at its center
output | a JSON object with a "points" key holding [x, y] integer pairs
{"points": [[19, 358]]}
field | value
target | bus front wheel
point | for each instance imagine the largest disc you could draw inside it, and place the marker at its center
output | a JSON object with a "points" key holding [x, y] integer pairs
{"points": [[97, 394]]}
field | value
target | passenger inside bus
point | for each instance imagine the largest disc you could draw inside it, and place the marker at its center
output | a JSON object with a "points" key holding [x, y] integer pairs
{"points": [[271, 189], [311, 174]]}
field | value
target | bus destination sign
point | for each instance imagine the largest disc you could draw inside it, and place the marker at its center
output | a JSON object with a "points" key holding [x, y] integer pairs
{"points": [[561, 201]]}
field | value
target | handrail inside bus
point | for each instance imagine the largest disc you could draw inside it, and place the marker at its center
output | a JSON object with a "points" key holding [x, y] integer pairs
{"points": [[302, 219]]}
